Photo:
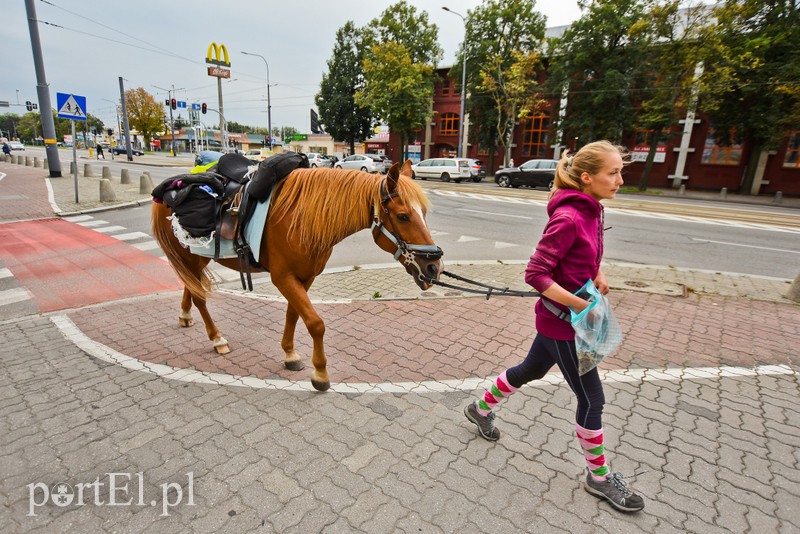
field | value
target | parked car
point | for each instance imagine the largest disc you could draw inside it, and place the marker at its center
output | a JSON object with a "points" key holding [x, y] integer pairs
{"points": [[533, 173], [363, 162], [315, 159], [445, 169], [332, 159], [16, 145], [476, 169], [120, 149], [258, 155]]}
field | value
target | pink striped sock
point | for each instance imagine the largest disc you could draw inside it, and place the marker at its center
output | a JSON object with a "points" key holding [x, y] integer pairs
{"points": [[499, 391], [593, 451]]}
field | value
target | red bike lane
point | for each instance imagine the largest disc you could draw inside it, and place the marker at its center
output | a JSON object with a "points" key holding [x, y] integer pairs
{"points": [[64, 265]]}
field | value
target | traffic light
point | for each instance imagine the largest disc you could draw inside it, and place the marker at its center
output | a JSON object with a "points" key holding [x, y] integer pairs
{"points": [[266, 140], [203, 108], [29, 105], [174, 104], [166, 102], [109, 131]]}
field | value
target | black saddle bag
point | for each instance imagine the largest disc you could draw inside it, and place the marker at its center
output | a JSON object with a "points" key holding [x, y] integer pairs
{"points": [[272, 170]]}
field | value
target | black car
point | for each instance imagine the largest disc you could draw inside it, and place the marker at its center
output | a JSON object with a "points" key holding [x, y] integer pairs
{"points": [[120, 149], [533, 173]]}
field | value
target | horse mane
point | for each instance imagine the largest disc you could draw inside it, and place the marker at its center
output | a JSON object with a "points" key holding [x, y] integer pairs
{"points": [[327, 205]]}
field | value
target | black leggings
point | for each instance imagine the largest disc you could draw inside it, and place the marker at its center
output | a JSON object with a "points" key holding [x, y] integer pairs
{"points": [[544, 353]]}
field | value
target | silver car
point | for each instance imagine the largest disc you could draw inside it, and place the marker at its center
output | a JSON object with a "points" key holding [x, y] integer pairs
{"points": [[315, 159], [445, 169], [362, 162]]}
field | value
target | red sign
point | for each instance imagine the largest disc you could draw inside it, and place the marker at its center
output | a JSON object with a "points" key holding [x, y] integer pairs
{"points": [[219, 72]]}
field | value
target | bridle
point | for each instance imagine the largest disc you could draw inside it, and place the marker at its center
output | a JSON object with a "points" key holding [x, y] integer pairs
{"points": [[410, 252]]}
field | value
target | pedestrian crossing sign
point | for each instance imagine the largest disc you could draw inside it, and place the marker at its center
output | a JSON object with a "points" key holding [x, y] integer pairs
{"points": [[71, 106]]}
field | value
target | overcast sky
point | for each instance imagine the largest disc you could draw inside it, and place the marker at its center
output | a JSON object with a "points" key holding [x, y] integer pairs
{"points": [[87, 46]]}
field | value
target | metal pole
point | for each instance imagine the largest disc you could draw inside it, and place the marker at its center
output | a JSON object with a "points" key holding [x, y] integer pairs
{"points": [[269, 104], [43, 92], [125, 120], [463, 85], [75, 161], [223, 140]]}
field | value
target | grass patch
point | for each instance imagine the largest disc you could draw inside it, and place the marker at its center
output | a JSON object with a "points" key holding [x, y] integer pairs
{"points": [[635, 190]]}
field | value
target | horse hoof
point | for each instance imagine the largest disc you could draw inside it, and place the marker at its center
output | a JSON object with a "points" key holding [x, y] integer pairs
{"points": [[222, 349], [294, 365], [320, 386], [186, 322]]}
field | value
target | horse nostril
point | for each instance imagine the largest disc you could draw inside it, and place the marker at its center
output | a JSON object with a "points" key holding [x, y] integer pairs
{"points": [[433, 270]]}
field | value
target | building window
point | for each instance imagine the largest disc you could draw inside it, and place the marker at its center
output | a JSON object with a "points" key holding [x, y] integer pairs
{"points": [[715, 154], [535, 137], [792, 159], [449, 124], [446, 88]]}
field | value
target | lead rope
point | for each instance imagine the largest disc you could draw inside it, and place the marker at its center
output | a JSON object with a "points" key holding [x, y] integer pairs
{"points": [[490, 290]]}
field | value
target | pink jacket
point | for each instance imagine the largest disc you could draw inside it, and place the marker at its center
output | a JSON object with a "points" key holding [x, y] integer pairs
{"points": [[569, 253]]}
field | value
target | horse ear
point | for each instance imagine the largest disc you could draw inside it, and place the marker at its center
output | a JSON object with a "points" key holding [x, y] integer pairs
{"points": [[406, 169], [392, 176]]}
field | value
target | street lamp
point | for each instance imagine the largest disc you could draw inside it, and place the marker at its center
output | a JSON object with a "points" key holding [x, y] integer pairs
{"points": [[463, 84], [269, 105]]}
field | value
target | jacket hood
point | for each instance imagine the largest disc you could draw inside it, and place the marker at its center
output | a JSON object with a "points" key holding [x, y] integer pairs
{"points": [[577, 199]]}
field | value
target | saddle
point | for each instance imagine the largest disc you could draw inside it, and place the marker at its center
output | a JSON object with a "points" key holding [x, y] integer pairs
{"points": [[218, 203]]}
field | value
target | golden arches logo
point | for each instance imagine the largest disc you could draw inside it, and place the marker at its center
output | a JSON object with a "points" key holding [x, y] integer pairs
{"points": [[219, 53]]}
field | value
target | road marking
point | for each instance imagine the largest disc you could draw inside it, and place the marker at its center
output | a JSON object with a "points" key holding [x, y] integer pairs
{"points": [[501, 244], [104, 353], [149, 245], [10, 296], [744, 246], [131, 236], [497, 214], [92, 223], [78, 218], [468, 238], [109, 229], [5, 273]]}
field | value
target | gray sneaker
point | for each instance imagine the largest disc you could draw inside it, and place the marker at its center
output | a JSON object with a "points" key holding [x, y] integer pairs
{"points": [[615, 491], [485, 423]]}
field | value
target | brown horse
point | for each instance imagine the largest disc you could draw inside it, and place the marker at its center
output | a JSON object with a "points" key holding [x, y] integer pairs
{"points": [[312, 210]]}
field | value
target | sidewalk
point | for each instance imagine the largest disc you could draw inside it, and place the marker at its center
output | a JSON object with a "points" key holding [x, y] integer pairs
{"points": [[701, 402]]}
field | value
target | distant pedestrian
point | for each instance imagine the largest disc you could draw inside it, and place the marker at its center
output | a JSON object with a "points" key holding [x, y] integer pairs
{"points": [[511, 162], [568, 254], [100, 151], [6, 148]]}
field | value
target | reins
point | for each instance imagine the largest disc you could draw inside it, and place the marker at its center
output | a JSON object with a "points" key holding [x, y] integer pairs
{"points": [[489, 290]]}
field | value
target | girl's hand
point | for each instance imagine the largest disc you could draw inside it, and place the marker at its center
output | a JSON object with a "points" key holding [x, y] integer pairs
{"points": [[601, 283]]}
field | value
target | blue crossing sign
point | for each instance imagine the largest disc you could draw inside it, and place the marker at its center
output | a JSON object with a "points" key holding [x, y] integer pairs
{"points": [[71, 106]]}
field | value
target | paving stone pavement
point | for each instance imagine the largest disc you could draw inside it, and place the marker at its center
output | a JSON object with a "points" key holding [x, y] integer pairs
{"points": [[700, 410]]}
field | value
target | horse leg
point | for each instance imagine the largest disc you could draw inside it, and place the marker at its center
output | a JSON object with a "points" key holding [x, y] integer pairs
{"points": [[293, 362], [297, 296], [185, 318], [220, 343]]}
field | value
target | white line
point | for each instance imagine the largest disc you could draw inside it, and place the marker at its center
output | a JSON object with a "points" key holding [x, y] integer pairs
{"points": [[744, 246], [107, 354], [5, 273], [131, 236], [497, 214], [148, 245], [10, 296], [51, 197], [78, 218], [93, 223], [108, 229]]}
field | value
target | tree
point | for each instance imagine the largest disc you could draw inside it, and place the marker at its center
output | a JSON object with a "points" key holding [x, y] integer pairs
{"points": [[397, 89], [338, 111], [401, 49], [750, 79], [597, 62], [514, 92], [671, 38], [145, 114], [494, 31]]}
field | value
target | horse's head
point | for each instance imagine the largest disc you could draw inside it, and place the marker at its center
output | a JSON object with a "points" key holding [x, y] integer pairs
{"points": [[398, 226]]}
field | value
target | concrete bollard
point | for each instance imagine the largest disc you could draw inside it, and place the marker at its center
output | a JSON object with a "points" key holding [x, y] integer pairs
{"points": [[87, 169], [124, 177], [72, 167], [44, 163], [778, 197], [723, 193], [794, 290], [6, 158], [20, 160], [107, 191], [106, 172], [145, 184], [35, 161], [28, 161], [682, 190]]}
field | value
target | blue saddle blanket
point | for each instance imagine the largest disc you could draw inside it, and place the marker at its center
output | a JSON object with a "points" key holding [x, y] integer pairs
{"points": [[253, 231]]}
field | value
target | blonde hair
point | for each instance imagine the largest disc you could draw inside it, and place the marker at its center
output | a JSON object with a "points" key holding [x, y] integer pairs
{"points": [[589, 159]]}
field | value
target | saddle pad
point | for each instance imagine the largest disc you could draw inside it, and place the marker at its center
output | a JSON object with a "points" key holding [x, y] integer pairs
{"points": [[253, 231]]}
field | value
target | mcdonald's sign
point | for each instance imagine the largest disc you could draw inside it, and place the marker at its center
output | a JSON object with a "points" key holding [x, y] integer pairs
{"points": [[218, 55]]}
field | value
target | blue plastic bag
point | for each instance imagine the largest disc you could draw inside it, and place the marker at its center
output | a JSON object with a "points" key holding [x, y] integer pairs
{"points": [[597, 332]]}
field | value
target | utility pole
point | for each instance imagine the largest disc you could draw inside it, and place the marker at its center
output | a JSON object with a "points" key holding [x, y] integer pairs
{"points": [[171, 124], [125, 120], [43, 91]]}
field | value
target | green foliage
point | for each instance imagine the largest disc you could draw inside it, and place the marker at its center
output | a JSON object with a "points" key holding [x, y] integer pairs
{"points": [[338, 111], [402, 24], [145, 114], [598, 60], [494, 30]]}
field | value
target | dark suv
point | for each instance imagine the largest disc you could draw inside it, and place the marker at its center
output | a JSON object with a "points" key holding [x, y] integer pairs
{"points": [[533, 173]]}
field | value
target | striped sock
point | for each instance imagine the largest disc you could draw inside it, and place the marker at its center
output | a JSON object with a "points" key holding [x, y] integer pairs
{"points": [[592, 444], [499, 391]]}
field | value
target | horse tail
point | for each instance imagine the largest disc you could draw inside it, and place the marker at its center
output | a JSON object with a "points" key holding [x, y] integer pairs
{"points": [[186, 265]]}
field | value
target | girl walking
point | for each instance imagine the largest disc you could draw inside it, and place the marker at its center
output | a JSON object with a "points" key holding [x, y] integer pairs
{"points": [[568, 254]]}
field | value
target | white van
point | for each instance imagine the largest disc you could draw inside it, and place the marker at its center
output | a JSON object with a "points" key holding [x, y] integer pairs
{"points": [[445, 169]]}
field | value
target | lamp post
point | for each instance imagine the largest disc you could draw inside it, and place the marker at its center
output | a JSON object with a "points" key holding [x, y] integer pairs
{"points": [[171, 123], [463, 85], [269, 105]]}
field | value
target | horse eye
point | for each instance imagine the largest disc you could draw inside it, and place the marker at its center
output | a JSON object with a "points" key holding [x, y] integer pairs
{"points": [[403, 217]]}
